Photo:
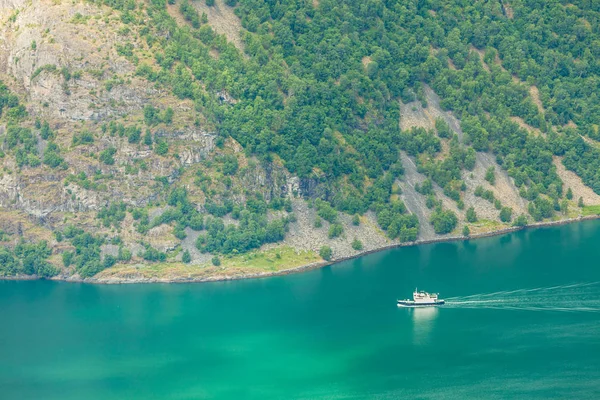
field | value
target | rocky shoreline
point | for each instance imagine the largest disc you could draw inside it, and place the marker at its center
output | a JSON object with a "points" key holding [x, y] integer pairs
{"points": [[303, 268]]}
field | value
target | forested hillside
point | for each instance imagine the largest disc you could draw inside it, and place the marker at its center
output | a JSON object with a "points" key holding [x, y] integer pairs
{"points": [[167, 139]]}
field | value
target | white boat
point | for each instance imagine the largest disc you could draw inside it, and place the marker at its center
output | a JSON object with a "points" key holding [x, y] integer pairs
{"points": [[421, 299]]}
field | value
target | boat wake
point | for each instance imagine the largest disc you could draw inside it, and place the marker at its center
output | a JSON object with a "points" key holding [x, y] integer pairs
{"points": [[576, 297]]}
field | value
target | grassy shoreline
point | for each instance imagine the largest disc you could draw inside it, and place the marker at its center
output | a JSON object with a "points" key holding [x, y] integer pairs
{"points": [[276, 261], [232, 270]]}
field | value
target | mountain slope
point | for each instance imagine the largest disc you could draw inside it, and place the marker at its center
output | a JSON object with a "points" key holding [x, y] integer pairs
{"points": [[154, 140]]}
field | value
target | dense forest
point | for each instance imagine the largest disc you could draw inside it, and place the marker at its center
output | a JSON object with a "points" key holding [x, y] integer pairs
{"points": [[304, 81], [318, 88]]}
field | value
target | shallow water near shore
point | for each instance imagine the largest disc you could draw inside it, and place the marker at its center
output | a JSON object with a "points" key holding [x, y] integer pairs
{"points": [[522, 320]]}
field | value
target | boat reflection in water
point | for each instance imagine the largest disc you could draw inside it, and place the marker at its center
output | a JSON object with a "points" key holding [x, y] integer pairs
{"points": [[423, 322]]}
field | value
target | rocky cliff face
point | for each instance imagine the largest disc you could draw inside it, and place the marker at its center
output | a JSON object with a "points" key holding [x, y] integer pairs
{"points": [[45, 40]]}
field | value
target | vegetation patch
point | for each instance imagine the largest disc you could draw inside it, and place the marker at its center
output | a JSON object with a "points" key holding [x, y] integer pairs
{"points": [[272, 260], [591, 210]]}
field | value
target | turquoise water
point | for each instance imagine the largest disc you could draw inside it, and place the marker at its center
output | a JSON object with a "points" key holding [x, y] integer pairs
{"points": [[522, 321]]}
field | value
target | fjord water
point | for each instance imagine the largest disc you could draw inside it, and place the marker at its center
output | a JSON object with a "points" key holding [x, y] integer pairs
{"points": [[522, 321]]}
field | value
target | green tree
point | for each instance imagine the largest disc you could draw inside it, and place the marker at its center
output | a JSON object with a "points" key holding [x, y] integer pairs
{"points": [[443, 221], [124, 254], [335, 230], [325, 211], [490, 175], [471, 215], [326, 253], [45, 131], [521, 220], [569, 194], [167, 116], [466, 231], [230, 164], [564, 206], [52, 157], [67, 258], [506, 214], [303, 160], [148, 138], [186, 257], [161, 148], [497, 204]]}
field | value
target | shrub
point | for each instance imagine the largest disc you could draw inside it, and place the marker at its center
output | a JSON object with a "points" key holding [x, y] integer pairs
{"points": [[133, 134], [107, 156], [216, 261], [161, 148], [431, 201], [84, 137], [540, 208], [52, 156], [426, 188], [335, 230], [151, 254], [114, 214], [45, 131], [357, 244], [497, 204], [179, 232], [325, 211]]}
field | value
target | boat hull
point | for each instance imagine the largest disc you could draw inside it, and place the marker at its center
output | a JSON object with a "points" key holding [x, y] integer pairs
{"points": [[413, 304]]}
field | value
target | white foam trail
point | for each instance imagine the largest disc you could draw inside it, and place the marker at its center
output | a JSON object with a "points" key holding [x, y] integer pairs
{"points": [[478, 301], [523, 291], [531, 308], [560, 298]]}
